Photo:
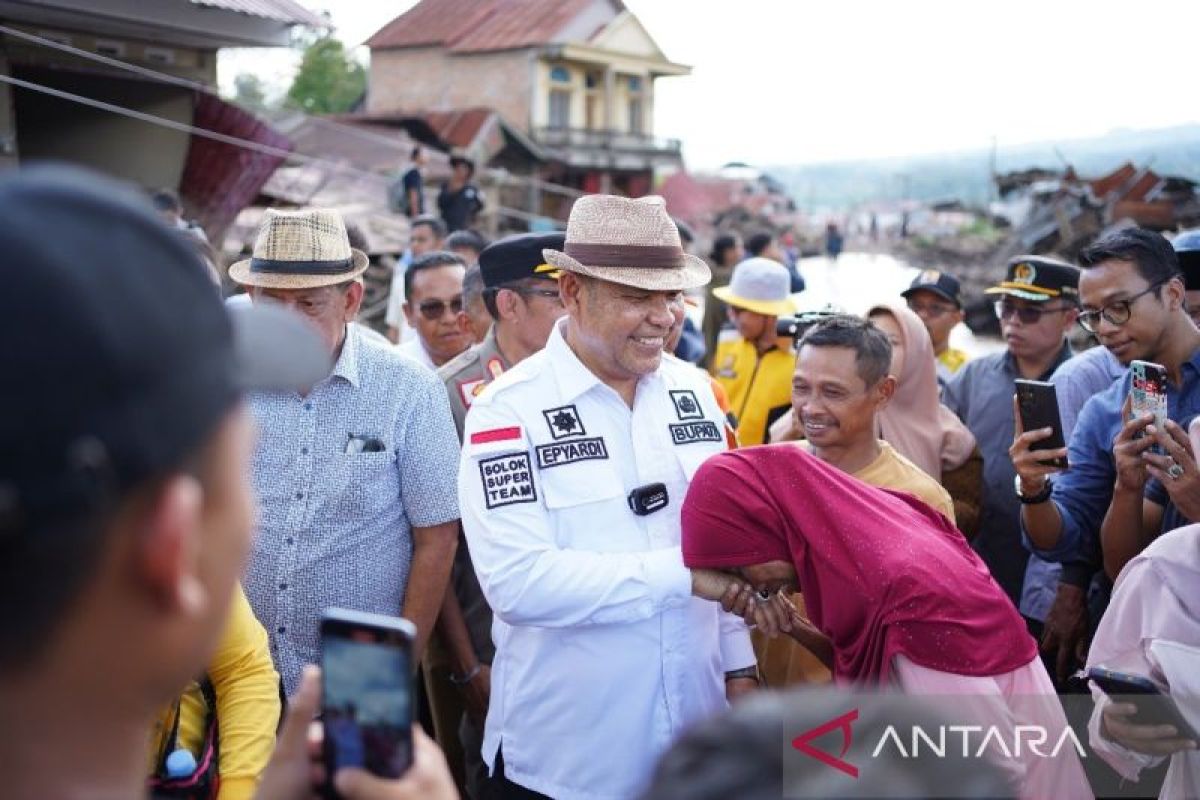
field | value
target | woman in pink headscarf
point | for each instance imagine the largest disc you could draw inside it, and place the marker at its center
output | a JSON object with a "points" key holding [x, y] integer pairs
{"points": [[915, 422], [894, 594]]}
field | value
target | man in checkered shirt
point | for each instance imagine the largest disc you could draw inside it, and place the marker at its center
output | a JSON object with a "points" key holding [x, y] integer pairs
{"points": [[355, 478]]}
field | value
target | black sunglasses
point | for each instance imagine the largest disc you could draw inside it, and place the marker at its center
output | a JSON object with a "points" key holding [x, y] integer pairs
{"points": [[434, 309]]}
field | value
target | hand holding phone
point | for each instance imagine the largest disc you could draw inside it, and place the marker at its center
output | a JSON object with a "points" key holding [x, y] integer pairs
{"points": [[366, 707], [1037, 403], [1148, 392], [1141, 714]]}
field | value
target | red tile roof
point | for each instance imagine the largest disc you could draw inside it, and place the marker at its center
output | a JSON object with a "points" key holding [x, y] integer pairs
{"points": [[472, 26]]}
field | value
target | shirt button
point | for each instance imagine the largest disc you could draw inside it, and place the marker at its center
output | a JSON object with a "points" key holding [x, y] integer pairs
{"points": [[282, 629], [303, 451], [282, 586], [299, 495], [288, 540], [308, 406]]}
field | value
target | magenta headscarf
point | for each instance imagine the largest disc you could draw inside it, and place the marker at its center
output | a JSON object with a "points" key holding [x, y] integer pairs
{"points": [[882, 574]]}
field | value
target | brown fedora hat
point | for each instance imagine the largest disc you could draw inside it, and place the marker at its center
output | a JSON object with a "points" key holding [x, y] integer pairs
{"points": [[632, 242], [303, 249]]}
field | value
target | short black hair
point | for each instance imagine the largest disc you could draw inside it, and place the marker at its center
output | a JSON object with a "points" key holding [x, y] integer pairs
{"points": [[416, 153], [490, 293], [758, 242], [358, 239], [472, 240], [438, 258], [1150, 252], [166, 200], [435, 224], [872, 349], [723, 242]]}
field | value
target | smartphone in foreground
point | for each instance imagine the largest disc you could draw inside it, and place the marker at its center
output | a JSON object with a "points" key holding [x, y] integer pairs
{"points": [[1153, 707], [1148, 392], [366, 692], [1038, 404]]}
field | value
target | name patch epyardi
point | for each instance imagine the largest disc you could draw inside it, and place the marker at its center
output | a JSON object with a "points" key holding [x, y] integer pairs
{"points": [[507, 480], [560, 453]]}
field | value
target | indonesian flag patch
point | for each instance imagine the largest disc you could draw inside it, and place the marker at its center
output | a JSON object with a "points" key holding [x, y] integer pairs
{"points": [[497, 440]]}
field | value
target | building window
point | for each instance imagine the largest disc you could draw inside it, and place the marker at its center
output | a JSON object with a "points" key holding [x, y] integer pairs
{"points": [[636, 123], [635, 83], [560, 108], [107, 47], [560, 75], [160, 55]]}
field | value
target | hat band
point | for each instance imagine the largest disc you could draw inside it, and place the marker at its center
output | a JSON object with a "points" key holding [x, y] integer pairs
{"points": [[651, 256], [301, 267]]}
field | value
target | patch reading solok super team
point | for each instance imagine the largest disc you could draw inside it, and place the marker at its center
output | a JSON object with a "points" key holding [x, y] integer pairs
{"points": [[556, 455], [689, 432], [507, 480], [686, 404], [564, 422]]}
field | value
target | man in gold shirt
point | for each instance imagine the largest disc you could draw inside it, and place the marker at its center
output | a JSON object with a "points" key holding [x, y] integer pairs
{"points": [[840, 385], [752, 363]]}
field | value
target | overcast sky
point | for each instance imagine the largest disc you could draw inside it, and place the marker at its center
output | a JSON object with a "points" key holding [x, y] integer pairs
{"points": [[801, 81]]}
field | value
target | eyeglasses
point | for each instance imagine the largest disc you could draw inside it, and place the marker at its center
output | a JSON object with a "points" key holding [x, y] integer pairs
{"points": [[1117, 313], [933, 310], [433, 310], [1027, 314]]}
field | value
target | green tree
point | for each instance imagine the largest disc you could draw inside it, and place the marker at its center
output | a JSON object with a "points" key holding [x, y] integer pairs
{"points": [[329, 81], [249, 92]]}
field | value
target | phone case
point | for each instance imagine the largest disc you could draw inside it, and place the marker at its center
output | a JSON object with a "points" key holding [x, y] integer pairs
{"points": [[1037, 402], [1148, 393]]}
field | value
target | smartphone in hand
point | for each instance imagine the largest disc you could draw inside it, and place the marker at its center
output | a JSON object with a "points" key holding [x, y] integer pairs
{"points": [[1037, 402], [366, 693], [1148, 392], [1153, 707]]}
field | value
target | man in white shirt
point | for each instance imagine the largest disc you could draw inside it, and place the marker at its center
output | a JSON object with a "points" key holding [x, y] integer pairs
{"points": [[433, 285], [574, 468]]}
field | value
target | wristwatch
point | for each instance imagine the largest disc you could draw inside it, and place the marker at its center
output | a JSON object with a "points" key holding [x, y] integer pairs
{"points": [[1029, 500]]}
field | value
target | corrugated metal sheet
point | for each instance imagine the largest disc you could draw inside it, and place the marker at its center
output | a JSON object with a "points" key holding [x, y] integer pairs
{"points": [[478, 25], [281, 10]]}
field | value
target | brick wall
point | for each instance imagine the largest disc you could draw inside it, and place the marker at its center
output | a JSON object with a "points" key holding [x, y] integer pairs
{"points": [[427, 78]]}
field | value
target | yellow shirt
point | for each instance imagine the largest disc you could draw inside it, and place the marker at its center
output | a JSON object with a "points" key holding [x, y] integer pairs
{"points": [[893, 471], [247, 689], [759, 387], [952, 359]]}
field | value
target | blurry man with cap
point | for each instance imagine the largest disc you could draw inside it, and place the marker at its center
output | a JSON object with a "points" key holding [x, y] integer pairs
{"points": [[353, 476], [934, 297], [575, 463], [753, 363], [520, 291], [1037, 304], [125, 515]]}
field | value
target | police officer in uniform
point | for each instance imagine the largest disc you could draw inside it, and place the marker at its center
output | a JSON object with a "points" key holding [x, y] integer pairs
{"points": [[521, 295], [574, 467]]}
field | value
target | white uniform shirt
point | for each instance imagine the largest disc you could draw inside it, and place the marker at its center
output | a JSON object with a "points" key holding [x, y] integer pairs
{"points": [[415, 350], [603, 656]]}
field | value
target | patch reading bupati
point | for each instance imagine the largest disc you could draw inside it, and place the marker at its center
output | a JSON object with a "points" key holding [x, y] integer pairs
{"points": [[686, 404], [689, 432], [507, 480], [564, 422], [556, 455]]}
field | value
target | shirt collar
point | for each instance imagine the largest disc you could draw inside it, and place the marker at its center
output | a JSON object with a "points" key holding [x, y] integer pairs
{"points": [[573, 377], [346, 367]]}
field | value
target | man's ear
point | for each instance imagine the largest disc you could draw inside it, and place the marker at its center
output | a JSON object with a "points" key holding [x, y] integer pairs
{"points": [[885, 391], [463, 323], [1173, 293], [571, 288], [167, 547], [353, 300], [506, 303]]}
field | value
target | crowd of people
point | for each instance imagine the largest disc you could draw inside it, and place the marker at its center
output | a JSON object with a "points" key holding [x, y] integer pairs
{"points": [[602, 546]]}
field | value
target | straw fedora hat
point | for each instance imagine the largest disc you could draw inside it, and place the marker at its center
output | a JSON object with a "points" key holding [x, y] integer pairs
{"points": [[632, 242], [759, 285], [300, 250]]}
